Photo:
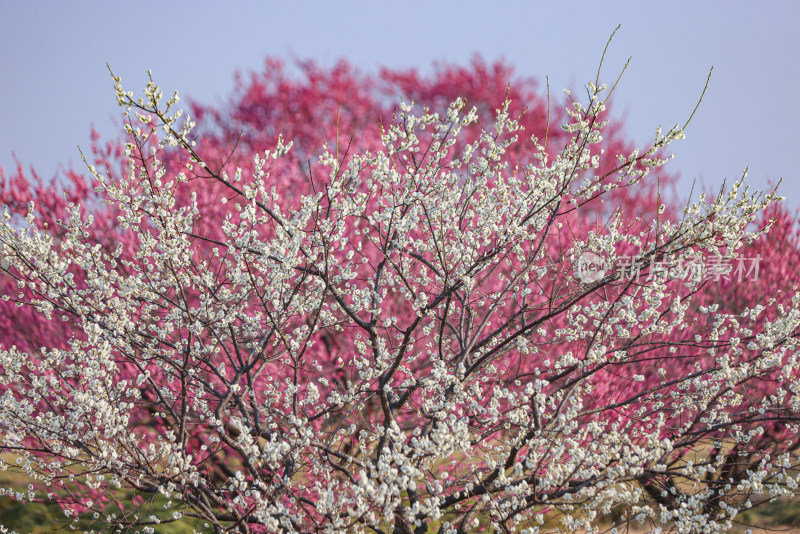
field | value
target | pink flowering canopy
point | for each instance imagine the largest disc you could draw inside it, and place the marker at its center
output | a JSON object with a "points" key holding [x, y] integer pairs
{"points": [[394, 303]]}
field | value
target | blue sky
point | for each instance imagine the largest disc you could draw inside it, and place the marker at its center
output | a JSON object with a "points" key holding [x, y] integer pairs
{"points": [[56, 86]]}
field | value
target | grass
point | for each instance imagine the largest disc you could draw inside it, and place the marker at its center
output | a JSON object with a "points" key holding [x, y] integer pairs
{"points": [[45, 517]]}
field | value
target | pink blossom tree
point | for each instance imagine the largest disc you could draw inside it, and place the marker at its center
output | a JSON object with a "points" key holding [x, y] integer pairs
{"points": [[319, 312]]}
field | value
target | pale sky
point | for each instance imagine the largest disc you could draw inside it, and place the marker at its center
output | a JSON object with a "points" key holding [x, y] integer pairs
{"points": [[55, 84]]}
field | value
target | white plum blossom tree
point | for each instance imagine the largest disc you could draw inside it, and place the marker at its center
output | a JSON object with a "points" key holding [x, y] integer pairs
{"points": [[406, 348]]}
